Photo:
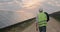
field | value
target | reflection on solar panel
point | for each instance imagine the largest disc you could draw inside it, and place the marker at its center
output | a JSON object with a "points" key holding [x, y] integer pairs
{"points": [[8, 18]]}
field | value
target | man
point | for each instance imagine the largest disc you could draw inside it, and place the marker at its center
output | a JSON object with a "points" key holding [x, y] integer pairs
{"points": [[43, 18]]}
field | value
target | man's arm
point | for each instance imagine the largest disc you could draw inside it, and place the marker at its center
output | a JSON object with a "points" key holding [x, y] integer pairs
{"points": [[47, 16]]}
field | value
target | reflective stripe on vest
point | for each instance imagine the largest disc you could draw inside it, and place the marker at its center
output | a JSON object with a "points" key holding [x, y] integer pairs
{"points": [[42, 19]]}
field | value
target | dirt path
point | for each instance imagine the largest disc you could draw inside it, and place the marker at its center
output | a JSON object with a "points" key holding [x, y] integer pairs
{"points": [[31, 28], [53, 26]]}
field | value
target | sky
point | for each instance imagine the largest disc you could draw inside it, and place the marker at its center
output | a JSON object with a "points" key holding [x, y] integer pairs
{"points": [[49, 6]]}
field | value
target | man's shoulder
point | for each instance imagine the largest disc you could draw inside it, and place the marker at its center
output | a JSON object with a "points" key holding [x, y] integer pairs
{"points": [[45, 12]]}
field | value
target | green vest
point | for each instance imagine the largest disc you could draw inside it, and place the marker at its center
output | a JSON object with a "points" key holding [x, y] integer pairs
{"points": [[42, 19]]}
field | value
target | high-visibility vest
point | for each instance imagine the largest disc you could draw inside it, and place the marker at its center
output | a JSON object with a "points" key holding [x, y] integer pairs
{"points": [[42, 19]]}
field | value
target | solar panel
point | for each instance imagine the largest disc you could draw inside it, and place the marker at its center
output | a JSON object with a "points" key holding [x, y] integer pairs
{"points": [[8, 18]]}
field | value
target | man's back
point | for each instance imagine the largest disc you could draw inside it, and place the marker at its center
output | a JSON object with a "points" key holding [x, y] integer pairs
{"points": [[42, 19], [42, 16]]}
